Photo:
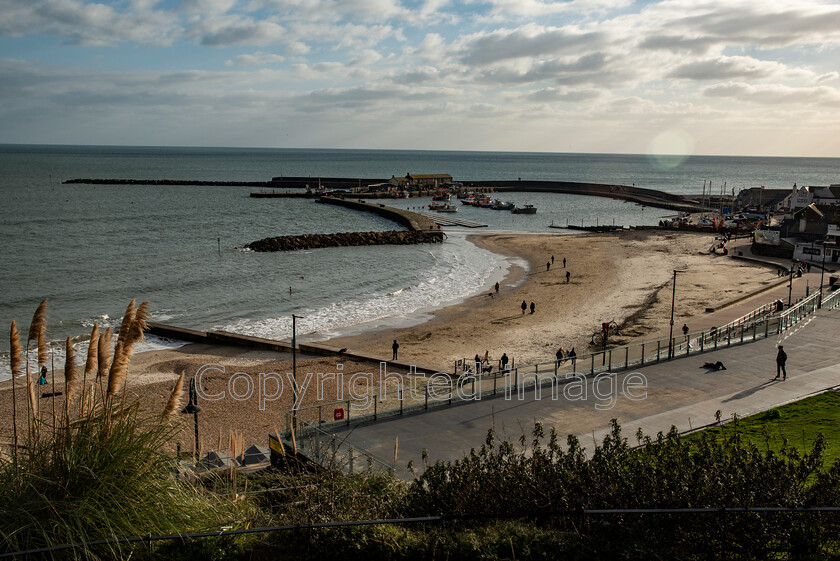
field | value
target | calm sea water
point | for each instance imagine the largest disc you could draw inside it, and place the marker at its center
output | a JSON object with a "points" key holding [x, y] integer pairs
{"points": [[91, 249]]}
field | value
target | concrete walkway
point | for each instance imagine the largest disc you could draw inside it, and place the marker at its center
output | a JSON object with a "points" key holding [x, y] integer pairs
{"points": [[655, 397]]}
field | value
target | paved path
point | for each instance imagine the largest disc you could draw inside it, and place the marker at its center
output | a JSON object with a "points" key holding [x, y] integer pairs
{"points": [[677, 392]]}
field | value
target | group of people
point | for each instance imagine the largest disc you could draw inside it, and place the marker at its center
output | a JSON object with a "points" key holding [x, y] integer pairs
{"points": [[524, 307], [563, 355], [485, 361]]}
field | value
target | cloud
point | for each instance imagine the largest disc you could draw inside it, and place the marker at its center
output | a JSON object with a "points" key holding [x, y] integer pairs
{"points": [[256, 59], [527, 41], [776, 94], [727, 68], [90, 24], [229, 30], [555, 95]]}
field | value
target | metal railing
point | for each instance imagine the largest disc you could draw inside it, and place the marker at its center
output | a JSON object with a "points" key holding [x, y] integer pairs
{"points": [[443, 389], [334, 452]]}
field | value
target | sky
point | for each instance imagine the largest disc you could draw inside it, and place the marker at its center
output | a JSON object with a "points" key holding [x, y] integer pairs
{"points": [[717, 77]]}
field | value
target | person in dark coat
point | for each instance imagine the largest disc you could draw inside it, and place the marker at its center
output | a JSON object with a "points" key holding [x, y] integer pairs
{"points": [[524, 307], [781, 358], [395, 347], [504, 361], [533, 307]]}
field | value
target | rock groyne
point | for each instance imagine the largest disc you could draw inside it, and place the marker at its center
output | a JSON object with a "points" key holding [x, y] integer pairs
{"points": [[345, 239]]}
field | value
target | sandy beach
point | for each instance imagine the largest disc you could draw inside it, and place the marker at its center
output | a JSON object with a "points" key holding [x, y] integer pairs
{"points": [[623, 277]]}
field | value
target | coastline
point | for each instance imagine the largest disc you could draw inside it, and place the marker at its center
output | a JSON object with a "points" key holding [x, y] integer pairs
{"points": [[614, 277]]}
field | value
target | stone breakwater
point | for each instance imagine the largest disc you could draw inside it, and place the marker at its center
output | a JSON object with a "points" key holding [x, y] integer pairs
{"points": [[314, 241]]}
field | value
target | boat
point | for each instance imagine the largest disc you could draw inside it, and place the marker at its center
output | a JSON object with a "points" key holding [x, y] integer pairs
{"points": [[448, 208], [499, 204], [527, 209], [442, 197], [438, 206]]}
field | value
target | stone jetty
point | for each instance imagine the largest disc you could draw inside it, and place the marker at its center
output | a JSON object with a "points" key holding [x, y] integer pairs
{"points": [[315, 241]]}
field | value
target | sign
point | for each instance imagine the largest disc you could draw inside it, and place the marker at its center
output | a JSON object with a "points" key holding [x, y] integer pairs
{"points": [[338, 414], [811, 251]]}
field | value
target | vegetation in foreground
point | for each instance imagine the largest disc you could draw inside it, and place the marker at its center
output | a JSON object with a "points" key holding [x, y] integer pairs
{"points": [[96, 471]]}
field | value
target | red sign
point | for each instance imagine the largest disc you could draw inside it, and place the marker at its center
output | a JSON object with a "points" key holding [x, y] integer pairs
{"points": [[338, 414]]}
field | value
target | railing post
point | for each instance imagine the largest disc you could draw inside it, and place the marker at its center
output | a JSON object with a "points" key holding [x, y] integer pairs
{"points": [[626, 358], [609, 368], [702, 340], [728, 336], [754, 330], [426, 406], [516, 380], [658, 349], [742, 332], [319, 415], [592, 366], [643, 354], [401, 399], [494, 384], [375, 399], [348, 412], [350, 463]]}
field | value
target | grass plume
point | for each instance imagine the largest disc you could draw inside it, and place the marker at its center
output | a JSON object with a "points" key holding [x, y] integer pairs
{"points": [[174, 398], [16, 359], [38, 331], [128, 317], [71, 377]]}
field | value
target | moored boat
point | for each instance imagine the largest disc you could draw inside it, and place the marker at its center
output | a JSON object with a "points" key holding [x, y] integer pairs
{"points": [[527, 209], [499, 204]]}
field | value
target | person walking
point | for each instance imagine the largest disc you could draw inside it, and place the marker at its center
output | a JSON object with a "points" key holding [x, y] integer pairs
{"points": [[564, 262], [524, 307], [561, 355], [533, 307], [547, 266], [568, 276], [685, 330], [781, 358], [497, 287], [552, 260], [504, 361], [395, 347]]}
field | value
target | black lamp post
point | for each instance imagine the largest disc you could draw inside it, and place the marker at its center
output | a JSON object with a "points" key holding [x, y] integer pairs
{"points": [[790, 283], [826, 246], [294, 371], [192, 407], [673, 300]]}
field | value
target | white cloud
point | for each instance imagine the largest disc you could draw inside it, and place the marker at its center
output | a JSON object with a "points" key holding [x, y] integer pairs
{"points": [[776, 94], [256, 59]]}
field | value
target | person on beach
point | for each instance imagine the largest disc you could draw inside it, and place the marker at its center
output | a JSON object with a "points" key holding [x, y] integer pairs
{"points": [[395, 347], [547, 266], [685, 330], [533, 307], [43, 379], [486, 357], [564, 262], [561, 355], [497, 287], [504, 361], [524, 307], [572, 355], [781, 358], [477, 362], [568, 276], [552, 260]]}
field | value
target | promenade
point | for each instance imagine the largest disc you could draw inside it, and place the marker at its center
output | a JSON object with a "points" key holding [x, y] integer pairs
{"points": [[652, 397]]}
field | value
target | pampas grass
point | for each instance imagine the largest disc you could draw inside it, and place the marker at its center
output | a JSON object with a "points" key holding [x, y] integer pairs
{"points": [[38, 331], [103, 474], [128, 317], [92, 361], [174, 398], [16, 359], [71, 378], [139, 324]]}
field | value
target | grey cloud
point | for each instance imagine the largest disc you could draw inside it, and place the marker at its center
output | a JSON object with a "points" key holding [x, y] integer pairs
{"points": [[776, 94], [552, 95], [678, 43], [243, 32], [525, 42], [724, 68]]}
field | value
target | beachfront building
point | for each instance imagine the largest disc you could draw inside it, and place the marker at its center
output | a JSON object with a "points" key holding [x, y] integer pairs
{"points": [[760, 198], [422, 181], [807, 195]]}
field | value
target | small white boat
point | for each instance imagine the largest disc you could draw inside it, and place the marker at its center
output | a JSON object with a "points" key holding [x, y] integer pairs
{"points": [[448, 208]]}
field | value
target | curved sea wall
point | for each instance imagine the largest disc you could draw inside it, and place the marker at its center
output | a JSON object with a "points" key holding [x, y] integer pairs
{"points": [[314, 241]]}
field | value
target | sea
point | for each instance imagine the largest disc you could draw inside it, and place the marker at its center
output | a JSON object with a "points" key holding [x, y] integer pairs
{"points": [[90, 249]]}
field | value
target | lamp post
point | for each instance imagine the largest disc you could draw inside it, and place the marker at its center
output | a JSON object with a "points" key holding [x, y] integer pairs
{"points": [[294, 371], [825, 248], [790, 283], [673, 300], [192, 407]]}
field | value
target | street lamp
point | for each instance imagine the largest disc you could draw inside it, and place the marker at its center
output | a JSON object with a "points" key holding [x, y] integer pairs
{"points": [[673, 300], [790, 283], [826, 245], [294, 371], [193, 408]]}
